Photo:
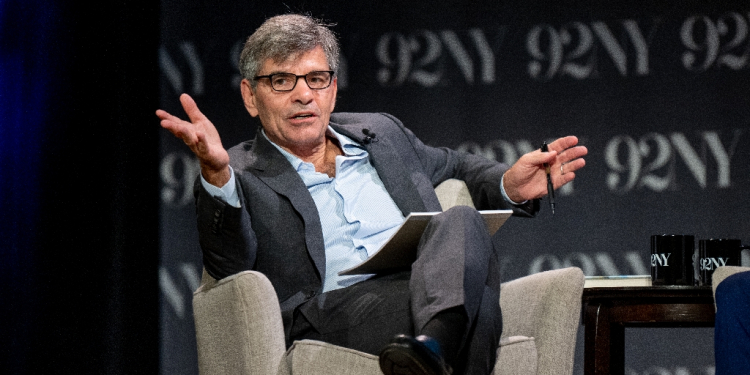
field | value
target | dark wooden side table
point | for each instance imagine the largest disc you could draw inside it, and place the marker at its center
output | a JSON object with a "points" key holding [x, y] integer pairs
{"points": [[607, 311]]}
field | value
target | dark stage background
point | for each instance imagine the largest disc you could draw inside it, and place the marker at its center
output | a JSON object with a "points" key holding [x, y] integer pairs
{"points": [[658, 92], [79, 186]]}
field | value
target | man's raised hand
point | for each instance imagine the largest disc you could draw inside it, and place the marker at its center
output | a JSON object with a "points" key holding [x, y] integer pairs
{"points": [[527, 178], [202, 138]]}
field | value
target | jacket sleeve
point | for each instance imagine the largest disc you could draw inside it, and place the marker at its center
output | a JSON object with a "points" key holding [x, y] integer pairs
{"points": [[482, 176], [227, 240]]}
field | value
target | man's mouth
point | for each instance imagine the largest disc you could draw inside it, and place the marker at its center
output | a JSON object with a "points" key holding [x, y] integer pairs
{"points": [[302, 116]]}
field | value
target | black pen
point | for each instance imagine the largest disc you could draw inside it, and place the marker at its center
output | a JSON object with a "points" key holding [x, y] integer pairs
{"points": [[550, 187]]}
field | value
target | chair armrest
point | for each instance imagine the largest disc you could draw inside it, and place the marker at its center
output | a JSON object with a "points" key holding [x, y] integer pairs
{"points": [[453, 192], [547, 307], [238, 325], [517, 355]]}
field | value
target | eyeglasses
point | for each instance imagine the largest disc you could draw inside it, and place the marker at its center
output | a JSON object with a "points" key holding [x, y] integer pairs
{"points": [[317, 80]]}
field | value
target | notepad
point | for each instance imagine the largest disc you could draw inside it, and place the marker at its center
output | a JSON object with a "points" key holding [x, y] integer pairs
{"points": [[400, 251]]}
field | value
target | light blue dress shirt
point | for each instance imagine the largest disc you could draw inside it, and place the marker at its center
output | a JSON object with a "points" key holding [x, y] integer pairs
{"points": [[356, 212]]}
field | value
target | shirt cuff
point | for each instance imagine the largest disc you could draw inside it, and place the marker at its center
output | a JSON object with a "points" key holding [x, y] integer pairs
{"points": [[226, 193], [505, 195]]}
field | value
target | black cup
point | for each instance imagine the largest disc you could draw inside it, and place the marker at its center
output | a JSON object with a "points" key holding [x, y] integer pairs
{"points": [[717, 252], [672, 259]]}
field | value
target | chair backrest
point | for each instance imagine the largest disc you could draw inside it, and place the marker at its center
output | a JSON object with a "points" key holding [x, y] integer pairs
{"points": [[453, 192]]}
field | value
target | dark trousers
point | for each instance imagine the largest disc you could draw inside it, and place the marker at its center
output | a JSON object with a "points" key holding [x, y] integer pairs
{"points": [[456, 266], [732, 329]]}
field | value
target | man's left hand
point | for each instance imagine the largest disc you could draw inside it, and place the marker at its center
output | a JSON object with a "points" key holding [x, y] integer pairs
{"points": [[527, 178]]}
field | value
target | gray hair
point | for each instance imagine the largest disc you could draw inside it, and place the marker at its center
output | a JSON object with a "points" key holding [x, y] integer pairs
{"points": [[284, 37]]}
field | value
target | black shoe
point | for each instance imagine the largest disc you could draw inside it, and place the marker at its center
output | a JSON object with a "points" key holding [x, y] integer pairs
{"points": [[406, 355]]}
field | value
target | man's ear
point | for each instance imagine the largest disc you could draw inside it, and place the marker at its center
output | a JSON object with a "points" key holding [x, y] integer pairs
{"points": [[248, 97]]}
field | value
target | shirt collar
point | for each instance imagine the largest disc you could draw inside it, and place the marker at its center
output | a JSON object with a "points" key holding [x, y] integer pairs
{"points": [[348, 146]]}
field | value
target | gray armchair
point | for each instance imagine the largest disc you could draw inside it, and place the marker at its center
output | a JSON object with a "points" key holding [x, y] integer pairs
{"points": [[239, 328]]}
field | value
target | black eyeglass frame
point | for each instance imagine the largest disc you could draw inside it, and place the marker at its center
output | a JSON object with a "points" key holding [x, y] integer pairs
{"points": [[296, 79]]}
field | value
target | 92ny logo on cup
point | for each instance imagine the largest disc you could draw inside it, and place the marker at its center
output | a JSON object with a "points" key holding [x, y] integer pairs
{"points": [[660, 259]]}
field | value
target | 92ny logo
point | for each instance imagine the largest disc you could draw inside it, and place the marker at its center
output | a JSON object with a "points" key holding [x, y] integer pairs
{"points": [[710, 264], [660, 259]]}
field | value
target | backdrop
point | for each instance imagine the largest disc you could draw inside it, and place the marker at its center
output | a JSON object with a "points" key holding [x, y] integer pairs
{"points": [[657, 91]]}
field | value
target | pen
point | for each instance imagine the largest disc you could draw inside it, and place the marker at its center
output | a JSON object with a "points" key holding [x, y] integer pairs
{"points": [[550, 187]]}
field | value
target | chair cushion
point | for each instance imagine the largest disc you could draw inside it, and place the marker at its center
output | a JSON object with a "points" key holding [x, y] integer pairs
{"points": [[309, 357], [516, 356]]}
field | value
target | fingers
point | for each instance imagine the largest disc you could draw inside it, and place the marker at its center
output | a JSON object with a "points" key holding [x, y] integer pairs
{"points": [[568, 159], [572, 154], [188, 104], [564, 179], [538, 157], [167, 119], [162, 114], [187, 131], [566, 171], [561, 151], [570, 167], [563, 143]]}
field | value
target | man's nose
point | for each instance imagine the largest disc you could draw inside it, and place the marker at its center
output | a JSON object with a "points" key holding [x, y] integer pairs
{"points": [[302, 92]]}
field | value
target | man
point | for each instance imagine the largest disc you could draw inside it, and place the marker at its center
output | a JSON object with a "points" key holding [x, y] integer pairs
{"points": [[316, 193]]}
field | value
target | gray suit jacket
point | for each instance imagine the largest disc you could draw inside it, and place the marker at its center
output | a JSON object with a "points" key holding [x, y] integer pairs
{"points": [[277, 231]]}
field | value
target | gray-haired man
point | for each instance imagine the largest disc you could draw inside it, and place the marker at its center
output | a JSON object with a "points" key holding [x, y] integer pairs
{"points": [[316, 192]]}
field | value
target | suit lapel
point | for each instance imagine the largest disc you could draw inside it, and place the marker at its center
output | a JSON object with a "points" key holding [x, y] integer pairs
{"points": [[275, 171], [391, 169]]}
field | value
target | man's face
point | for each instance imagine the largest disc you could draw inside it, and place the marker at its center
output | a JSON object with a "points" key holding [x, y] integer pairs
{"points": [[295, 120]]}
